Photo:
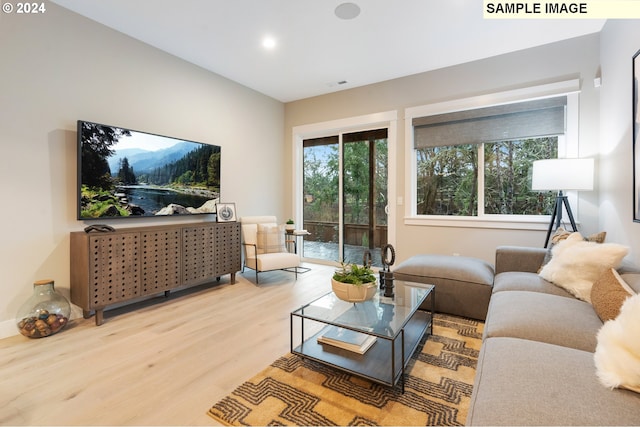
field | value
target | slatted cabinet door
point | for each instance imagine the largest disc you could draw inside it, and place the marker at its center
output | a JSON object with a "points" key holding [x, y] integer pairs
{"points": [[114, 270], [160, 260], [227, 249], [198, 247]]}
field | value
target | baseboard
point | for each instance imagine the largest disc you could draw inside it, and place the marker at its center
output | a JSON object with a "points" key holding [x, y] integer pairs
{"points": [[8, 329]]}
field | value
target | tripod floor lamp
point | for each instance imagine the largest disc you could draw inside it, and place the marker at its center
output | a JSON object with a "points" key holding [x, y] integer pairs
{"points": [[561, 175]]}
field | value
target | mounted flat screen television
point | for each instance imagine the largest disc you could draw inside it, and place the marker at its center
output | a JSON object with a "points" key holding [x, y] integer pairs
{"points": [[124, 173]]}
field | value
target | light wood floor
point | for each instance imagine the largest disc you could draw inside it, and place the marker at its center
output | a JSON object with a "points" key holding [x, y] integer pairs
{"points": [[163, 363]]}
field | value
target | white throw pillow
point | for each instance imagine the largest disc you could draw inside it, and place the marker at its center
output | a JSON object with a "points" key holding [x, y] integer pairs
{"points": [[617, 355], [575, 264]]}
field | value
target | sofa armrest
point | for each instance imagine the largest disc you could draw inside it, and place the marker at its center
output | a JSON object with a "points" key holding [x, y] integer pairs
{"points": [[519, 258]]}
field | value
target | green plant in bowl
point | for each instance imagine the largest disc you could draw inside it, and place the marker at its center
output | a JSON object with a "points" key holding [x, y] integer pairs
{"points": [[354, 274]]}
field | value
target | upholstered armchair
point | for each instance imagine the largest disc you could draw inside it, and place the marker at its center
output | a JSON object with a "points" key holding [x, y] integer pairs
{"points": [[264, 246]]}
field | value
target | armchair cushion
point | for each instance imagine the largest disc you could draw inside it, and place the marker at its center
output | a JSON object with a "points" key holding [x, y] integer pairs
{"points": [[270, 239], [276, 261]]}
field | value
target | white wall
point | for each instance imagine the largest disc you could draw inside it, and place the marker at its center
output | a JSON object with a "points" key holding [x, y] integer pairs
{"points": [[620, 40], [572, 59], [59, 67]]}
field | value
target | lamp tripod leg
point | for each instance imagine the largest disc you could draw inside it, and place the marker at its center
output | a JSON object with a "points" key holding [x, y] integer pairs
{"points": [[561, 200], [565, 201], [553, 219]]}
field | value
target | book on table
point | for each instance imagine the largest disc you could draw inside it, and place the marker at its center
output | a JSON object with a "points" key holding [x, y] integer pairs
{"points": [[347, 339]]}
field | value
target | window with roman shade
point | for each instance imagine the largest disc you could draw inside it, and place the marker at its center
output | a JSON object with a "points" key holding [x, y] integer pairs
{"points": [[477, 162]]}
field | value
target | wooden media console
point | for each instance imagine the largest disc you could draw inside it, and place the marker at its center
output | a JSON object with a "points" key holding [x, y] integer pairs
{"points": [[119, 266]]}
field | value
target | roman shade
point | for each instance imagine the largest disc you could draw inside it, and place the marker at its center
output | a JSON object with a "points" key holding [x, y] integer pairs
{"points": [[528, 119]]}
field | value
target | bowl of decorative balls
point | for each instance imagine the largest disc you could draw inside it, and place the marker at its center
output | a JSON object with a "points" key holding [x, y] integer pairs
{"points": [[45, 313], [42, 325]]}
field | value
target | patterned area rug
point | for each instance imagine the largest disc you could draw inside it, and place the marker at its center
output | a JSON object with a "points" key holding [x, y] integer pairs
{"points": [[296, 391]]}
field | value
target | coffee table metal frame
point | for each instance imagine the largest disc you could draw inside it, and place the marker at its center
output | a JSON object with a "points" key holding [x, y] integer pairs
{"points": [[398, 324]]}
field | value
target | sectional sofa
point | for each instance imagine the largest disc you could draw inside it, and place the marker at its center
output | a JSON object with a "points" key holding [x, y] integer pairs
{"points": [[536, 365]]}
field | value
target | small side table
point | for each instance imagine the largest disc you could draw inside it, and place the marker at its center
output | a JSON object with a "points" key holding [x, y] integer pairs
{"points": [[291, 239]]}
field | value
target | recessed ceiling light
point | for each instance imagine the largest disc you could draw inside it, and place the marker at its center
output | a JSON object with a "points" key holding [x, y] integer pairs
{"points": [[269, 42], [347, 11]]}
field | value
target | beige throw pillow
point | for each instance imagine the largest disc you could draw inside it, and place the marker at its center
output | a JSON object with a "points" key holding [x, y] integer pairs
{"points": [[576, 264], [608, 294], [270, 239], [617, 355]]}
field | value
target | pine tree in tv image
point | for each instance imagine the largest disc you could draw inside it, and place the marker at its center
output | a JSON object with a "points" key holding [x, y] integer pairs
{"points": [[126, 173]]}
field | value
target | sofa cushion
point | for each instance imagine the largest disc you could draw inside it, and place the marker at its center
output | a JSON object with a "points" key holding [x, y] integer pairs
{"points": [[608, 294], [519, 258], [577, 264], [543, 317], [462, 269], [463, 284], [521, 281], [521, 382], [633, 280], [617, 355]]}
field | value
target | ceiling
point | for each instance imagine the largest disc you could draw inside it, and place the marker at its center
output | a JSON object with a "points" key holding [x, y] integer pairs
{"points": [[315, 50]]}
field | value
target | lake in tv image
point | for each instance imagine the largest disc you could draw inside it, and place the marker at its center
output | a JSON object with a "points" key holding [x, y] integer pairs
{"points": [[127, 173]]}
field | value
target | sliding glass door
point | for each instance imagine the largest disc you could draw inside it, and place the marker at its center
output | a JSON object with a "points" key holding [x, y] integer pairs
{"points": [[321, 198], [345, 196]]}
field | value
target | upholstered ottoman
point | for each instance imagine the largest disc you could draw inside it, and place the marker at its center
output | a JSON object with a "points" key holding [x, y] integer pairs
{"points": [[463, 284]]}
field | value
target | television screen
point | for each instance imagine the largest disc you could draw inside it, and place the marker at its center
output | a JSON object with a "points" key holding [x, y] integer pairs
{"points": [[124, 173]]}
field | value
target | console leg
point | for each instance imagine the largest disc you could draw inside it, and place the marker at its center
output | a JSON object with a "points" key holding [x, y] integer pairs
{"points": [[99, 317]]}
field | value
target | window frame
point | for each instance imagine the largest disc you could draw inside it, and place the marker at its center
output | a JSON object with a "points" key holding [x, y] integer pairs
{"points": [[567, 147]]}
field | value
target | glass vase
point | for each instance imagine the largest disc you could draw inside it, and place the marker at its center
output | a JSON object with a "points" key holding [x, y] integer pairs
{"points": [[45, 313]]}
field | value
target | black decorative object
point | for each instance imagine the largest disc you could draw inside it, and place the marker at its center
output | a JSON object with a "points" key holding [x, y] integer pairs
{"points": [[101, 228], [386, 275], [388, 284]]}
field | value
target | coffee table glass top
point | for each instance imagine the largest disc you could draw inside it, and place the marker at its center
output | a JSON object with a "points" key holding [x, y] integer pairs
{"points": [[381, 316]]}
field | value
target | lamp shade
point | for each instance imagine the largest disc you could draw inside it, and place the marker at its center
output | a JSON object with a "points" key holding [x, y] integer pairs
{"points": [[562, 174]]}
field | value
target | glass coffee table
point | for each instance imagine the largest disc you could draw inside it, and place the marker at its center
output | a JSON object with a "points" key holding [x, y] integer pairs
{"points": [[374, 339]]}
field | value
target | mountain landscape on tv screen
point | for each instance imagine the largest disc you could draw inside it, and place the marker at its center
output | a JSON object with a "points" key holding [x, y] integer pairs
{"points": [[144, 161], [127, 173]]}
